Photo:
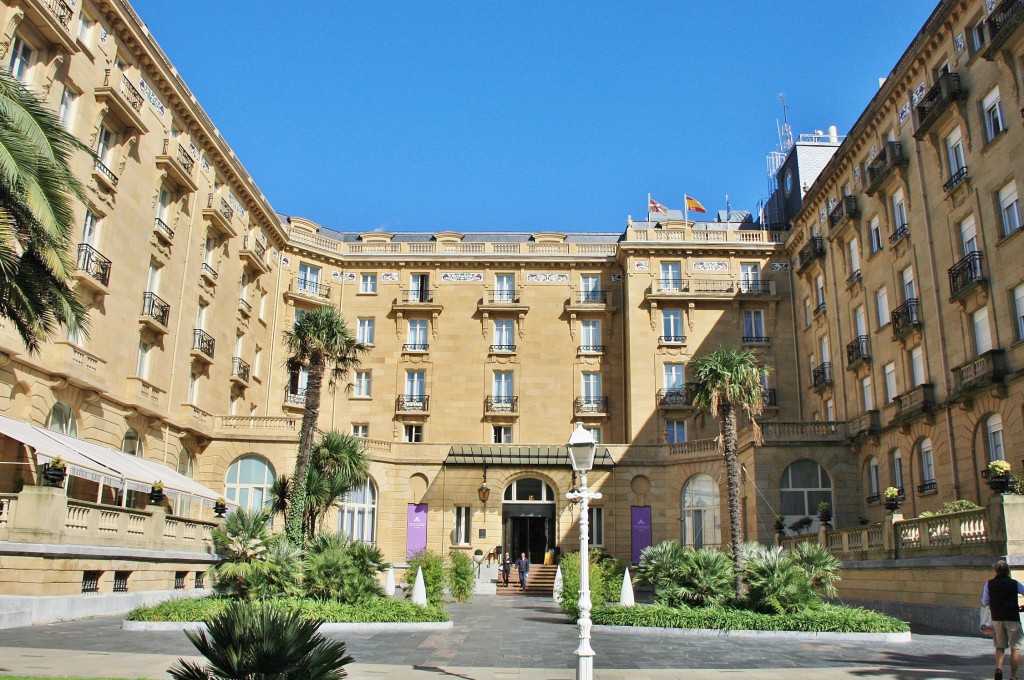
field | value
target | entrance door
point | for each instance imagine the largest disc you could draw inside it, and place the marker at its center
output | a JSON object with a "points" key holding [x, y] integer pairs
{"points": [[529, 535]]}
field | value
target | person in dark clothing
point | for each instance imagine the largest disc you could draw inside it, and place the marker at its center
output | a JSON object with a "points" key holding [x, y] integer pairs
{"points": [[1000, 596], [523, 565], [506, 568]]}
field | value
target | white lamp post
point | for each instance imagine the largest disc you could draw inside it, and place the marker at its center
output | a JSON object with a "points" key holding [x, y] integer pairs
{"points": [[582, 450]]}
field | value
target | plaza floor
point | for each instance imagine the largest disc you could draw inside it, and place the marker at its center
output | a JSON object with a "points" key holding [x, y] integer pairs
{"points": [[517, 638]]}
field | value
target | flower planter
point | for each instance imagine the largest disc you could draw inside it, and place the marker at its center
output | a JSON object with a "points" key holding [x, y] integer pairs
{"points": [[824, 517], [219, 509], [478, 558], [892, 504], [156, 497], [999, 483], [54, 476]]}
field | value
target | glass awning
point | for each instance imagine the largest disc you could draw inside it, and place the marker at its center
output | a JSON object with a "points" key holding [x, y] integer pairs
{"points": [[521, 456]]}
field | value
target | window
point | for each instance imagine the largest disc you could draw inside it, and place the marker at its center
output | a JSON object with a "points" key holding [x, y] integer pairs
{"points": [[209, 249], [362, 430], [875, 230], [917, 376], [297, 382], [882, 304], [701, 525], [357, 513], [969, 235], [62, 419], [463, 522], [753, 325], [671, 276], [750, 274], [504, 338], [899, 213], [66, 110], [417, 335], [1009, 208], [362, 384], [105, 141], [860, 321], [131, 443], [803, 486], [982, 336], [263, 305], [675, 376], [672, 325], [994, 438], [193, 388], [830, 410], [415, 385], [897, 469], [201, 315], [992, 114], [412, 434], [819, 290], [590, 288], [504, 288], [955, 152], [890, 381], [309, 279], [419, 288], [186, 463], [529, 489], [502, 434], [21, 59], [927, 461], [1018, 310], [854, 256], [591, 383], [248, 482], [257, 357], [502, 391], [874, 486], [977, 33], [807, 311], [368, 284], [866, 396], [909, 288], [364, 331], [590, 329], [595, 515], [675, 431], [85, 25], [142, 363], [595, 432]]}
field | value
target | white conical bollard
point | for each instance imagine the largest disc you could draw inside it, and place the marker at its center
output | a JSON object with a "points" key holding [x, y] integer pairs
{"points": [[626, 594], [557, 591], [389, 582], [419, 591]]}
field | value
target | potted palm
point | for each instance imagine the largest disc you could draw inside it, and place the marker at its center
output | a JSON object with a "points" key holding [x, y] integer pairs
{"points": [[220, 507], [156, 493], [824, 512], [478, 556], [892, 498], [55, 471], [998, 476]]}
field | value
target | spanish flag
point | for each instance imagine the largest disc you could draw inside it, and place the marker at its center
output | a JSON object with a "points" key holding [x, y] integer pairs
{"points": [[694, 205]]}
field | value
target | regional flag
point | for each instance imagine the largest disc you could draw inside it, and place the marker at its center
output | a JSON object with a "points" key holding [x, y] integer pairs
{"points": [[694, 205], [655, 207]]}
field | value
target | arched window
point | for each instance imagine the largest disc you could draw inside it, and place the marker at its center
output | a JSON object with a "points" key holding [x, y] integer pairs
{"points": [[803, 486], [702, 512], [529, 489], [897, 469], [927, 465], [357, 513], [132, 443], [994, 438], [186, 463], [248, 482], [62, 419], [874, 488]]}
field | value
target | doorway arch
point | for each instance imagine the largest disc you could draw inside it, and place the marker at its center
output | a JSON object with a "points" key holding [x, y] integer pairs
{"points": [[528, 518]]}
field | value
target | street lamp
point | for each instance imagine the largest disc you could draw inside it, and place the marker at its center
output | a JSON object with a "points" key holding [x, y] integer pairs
{"points": [[582, 450], [483, 493]]}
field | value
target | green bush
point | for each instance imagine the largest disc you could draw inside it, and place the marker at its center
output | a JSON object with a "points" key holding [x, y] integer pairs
{"points": [[681, 575], [826, 618], [338, 568], [461, 575], [433, 574], [776, 582], [381, 610], [605, 580], [186, 609]]}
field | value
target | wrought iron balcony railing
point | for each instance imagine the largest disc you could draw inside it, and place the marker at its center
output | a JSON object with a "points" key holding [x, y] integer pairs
{"points": [[671, 339], [906, 317], [502, 348], [415, 347], [239, 369], [677, 397], [756, 339], [821, 376], [967, 274], [1002, 23], [244, 305], [956, 179], [815, 249], [901, 232], [417, 295], [858, 351], [820, 309], [590, 349], [891, 156], [846, 209], [155, 308], [673, 286], [313, 288], [927, 487], [936, 101], [506, 297], [161, 226], [853, 278], [590, 405], [296, 396], [417, 403], [92, 263], [130, 93], [755, 287], [203, 342], [592, 297], [502, 404], [61, 11], [209, 271], [105, 172], [769, 397]]}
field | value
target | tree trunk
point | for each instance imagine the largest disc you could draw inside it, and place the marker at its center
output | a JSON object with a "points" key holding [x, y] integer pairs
{"points": [[732, 473], [297, 499]]}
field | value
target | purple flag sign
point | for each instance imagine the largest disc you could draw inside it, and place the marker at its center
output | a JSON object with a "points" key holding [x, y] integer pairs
{"points": [[416, 528], [640, 521]]}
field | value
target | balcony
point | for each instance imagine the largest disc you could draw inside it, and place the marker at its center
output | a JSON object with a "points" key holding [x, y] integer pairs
{"points": [[936, 101], [104, 175], [295, 397], [756, 287], [53, 19], [590, 301], [415, 347], [906, 318], [209, 273], [254, 253], [769, 397], [590, 406], [203, 345], [244, 307], [675, 289], [957, 178], [1003, 22], [820, 309], [93, 268], [309, 290], [503, 297], [901, 232], [814, 250], [854, 278], [220, 215], [756, 340], [916, 402], [178, 165], [846, 209], [671, 339], [676, 397], [502, 349], [928, 487], [161, 229], [967, 275], [867, 424], [590, 349], [412, 403], [239, 371], [79, 367], [891, 156], [123, 100], [417, 296], [155, 312], [501, 405], [858, 352], [821, 376], [979, 373]]}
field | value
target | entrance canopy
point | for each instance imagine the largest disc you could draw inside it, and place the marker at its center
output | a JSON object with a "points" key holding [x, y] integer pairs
{"points": [[521, 456], [102, 464]]}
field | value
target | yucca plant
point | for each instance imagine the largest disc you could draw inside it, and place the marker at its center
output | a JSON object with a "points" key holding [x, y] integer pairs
{"points": [[776, 582], [706, 578], [248, 642], [338, 568]]}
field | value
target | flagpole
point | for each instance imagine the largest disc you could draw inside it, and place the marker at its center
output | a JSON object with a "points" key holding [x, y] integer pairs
{"points": [[686, 211], [648, 206]]}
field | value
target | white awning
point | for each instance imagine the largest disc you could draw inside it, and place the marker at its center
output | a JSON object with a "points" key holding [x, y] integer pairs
{"points": [[47, 448]]}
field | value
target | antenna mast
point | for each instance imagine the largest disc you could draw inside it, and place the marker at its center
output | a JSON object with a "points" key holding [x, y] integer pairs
{"points": [[786, 137]]}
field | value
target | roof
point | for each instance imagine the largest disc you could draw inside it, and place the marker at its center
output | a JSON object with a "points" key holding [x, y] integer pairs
{"points": [[521, 456], [476, 236]]}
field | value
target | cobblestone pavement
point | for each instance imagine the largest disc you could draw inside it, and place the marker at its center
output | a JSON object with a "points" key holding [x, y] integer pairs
{"points": [[506, 638]]}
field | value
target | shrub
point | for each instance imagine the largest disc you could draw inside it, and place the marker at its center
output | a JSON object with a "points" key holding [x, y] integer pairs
{"points": [[605, 580], [682, 575], [433, 574], [964, 505], [245, 642], [381, 610], [820, 565], [461, 575], [338, 568], [776, 583], [244, 541], [283, 575]]}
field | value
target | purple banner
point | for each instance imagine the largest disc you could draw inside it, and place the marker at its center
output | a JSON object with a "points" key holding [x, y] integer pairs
{"points": [[640, 523], [416, 528]]}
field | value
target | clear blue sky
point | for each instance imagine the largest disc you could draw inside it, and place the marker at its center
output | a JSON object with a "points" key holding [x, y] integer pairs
{"points": [[533, 116]]}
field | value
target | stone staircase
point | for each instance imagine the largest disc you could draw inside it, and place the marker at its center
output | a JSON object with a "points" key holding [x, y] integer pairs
{"points": [[541, 581]]}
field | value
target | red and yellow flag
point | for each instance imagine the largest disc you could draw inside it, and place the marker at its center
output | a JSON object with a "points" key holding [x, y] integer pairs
{"points": [[694, 205]]}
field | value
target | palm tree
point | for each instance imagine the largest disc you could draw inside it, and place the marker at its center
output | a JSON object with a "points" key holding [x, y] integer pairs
{"points": [[726, 380], [37, 189], [320, 343]]}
